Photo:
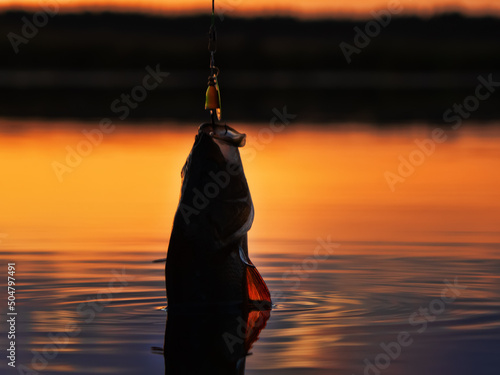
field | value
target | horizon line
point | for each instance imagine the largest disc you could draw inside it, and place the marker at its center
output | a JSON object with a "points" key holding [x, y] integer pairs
{"points": [[164, 12]]}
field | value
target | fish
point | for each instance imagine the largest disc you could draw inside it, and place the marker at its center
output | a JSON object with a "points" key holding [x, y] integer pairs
{"points": [[207, 264]]}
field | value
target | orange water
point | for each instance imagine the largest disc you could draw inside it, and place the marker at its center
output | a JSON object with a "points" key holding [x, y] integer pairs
{"points": [[391, 251]]}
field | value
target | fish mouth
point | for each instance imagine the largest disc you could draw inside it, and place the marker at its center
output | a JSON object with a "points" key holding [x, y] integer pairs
{"points": [[224, 133]]}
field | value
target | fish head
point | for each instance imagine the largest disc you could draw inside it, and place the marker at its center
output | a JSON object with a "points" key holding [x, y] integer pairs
{"points": [[224, 133], [214, 183], [216, 142], [227, 139]]}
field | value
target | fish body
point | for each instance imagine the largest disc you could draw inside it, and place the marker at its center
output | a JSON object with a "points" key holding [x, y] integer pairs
{"points": [[207, 260]]}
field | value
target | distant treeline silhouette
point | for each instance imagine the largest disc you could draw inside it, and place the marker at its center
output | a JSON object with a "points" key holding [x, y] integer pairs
{"points": [[90, 41], [412, 69]]}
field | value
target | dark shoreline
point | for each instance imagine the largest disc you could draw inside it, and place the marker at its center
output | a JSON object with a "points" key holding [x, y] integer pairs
{"points": [[78, 64]]}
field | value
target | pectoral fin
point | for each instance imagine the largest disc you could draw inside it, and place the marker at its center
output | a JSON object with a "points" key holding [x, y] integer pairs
{"points": [[258, 293]]}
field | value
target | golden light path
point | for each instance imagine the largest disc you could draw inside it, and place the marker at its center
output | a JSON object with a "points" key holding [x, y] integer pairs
{"points": [[305, 183], [310, 8]]}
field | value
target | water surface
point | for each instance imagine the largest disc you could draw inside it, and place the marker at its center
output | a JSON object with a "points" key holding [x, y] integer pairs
{"points": [[352, 264]]}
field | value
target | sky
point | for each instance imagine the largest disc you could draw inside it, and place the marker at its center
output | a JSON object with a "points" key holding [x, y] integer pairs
{"points": [[303, 9]]}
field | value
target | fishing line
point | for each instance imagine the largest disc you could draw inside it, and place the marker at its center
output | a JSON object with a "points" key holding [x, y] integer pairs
{"points": [[212, 96]]}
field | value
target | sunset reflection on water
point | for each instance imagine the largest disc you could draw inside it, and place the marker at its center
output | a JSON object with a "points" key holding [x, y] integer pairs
{"points": [[130, 183], [114, 211]]}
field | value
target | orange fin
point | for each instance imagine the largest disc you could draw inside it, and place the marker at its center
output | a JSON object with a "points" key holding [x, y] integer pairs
{"points": [[256, 322], [258, 293]]}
